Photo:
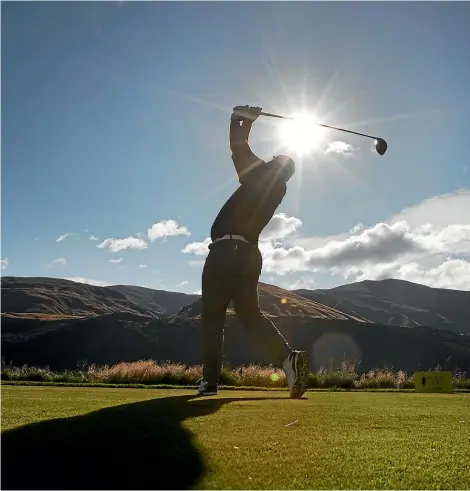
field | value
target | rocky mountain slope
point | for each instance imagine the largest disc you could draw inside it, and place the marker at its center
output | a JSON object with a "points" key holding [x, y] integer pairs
{"points": [[58, 296], [279, 302], [161, 301], [63, 297], [388, 302], [60, 323], [399, 303], [53, 296]]}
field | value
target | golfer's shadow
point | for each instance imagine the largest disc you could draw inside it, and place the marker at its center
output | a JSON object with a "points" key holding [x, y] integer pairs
{"points": [[141, 445]]}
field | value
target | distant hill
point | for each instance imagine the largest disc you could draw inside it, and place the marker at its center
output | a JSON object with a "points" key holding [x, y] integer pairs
{"points": [[58, 296], [388, 302], [399, 303], [54, 296], [112, 338], [47, 321], [160, 301], [279, 302]]}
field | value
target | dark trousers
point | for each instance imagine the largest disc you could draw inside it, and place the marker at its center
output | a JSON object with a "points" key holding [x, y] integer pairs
{"points": [[231, 272]]}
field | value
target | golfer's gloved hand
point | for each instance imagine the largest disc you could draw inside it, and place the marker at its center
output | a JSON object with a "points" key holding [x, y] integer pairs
{"points": [[245, 113]]}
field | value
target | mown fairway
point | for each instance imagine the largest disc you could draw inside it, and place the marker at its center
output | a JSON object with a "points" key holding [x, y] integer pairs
{"points": [[59, 437]]}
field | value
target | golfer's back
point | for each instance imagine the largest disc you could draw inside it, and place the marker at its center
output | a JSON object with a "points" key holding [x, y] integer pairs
{"points": [[251, 206]]}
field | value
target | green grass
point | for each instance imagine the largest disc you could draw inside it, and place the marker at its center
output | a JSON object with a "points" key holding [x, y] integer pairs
{"points": [[168, 439], [221, 387]]}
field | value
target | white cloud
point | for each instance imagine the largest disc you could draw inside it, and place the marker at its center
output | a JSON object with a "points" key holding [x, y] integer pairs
{"points": [[5, 263], [197, 292], [142, 265], [67, 235], [381, 242], [281, 260], [93, 237], [356, 228], [166, 228], [59, 260], [316, 242], [88, 281], [280, 226], [63, 237], [434, 272], [453, 239], [303, 283], [116, 261], [36, 239], [439, 211], [454, 273], [198, 248], [116, 245], [180, 285], [427, 243], [340, 147]]}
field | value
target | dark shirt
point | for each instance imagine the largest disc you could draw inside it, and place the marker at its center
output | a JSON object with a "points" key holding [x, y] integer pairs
{"points": [[252, 205]]}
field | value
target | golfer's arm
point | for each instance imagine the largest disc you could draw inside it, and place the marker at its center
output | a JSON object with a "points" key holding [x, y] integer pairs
{"points": [[243, 158]]}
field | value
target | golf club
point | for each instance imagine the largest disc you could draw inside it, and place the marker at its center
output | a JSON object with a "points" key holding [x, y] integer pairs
{"points": [[380, 143]]}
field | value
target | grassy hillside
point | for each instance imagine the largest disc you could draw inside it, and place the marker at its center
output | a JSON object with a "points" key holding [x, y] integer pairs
{"points": [[62, 324], [277, 301], [64, 297], [161, 301], [114, 338], [389, 302], [399, 303]]}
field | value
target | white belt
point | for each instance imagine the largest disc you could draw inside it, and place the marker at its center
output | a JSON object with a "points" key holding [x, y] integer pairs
{"points": [[231, 236]]}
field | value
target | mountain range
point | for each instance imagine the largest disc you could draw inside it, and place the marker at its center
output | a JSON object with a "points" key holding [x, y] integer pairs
{"points": [[57, 322], [399, 303]]}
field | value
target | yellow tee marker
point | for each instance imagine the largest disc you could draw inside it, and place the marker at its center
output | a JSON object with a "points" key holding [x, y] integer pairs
{"points": [[433, 382]]}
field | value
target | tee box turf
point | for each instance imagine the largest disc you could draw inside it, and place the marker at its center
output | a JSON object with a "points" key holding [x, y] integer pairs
{"points": [[433, 382]]}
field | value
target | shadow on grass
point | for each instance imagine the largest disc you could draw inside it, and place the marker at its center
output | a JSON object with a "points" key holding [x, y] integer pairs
{"points": [[142, 445]]}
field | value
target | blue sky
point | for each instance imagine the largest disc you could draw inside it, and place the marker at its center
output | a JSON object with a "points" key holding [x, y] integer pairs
{"points": [[115, 118]]}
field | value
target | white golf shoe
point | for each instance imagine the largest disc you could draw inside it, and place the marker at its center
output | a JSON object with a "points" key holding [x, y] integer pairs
{"points": [[204, 389], [296, 369]]}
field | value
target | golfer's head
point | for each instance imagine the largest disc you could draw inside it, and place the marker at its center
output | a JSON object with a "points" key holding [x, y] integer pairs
{"points": [[283, 166]]}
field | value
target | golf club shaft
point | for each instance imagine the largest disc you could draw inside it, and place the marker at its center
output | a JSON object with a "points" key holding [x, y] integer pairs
{"points": [[320, 124]]}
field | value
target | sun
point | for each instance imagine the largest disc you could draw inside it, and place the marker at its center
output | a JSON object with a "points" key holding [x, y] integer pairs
{"points": [[301, 135]]}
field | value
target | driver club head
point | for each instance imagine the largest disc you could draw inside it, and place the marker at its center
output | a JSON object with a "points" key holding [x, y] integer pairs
{"points": [[381, 146]]}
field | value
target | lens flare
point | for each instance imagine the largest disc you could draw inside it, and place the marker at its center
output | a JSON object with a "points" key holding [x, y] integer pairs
{"points": [[301, 135]]}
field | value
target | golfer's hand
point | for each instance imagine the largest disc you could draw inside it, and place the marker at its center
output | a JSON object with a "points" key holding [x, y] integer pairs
{"points": [[245, 113]]}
